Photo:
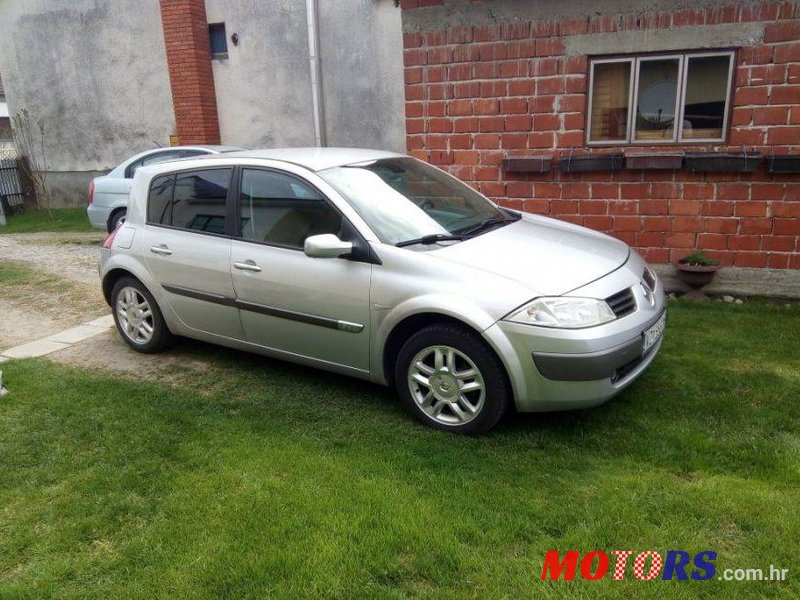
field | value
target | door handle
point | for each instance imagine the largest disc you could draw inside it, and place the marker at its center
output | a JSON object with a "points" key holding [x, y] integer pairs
{"points": [[161, 250], [247, 265]]}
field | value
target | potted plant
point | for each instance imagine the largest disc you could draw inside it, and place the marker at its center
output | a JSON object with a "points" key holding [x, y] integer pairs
{"points": [[696, 270]]}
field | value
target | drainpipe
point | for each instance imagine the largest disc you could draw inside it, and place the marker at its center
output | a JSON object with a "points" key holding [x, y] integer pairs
{"points": [[318, 103]]}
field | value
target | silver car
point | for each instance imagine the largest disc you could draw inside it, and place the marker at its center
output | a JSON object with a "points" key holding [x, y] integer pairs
{"points": [[108, 194], [380, 266]]}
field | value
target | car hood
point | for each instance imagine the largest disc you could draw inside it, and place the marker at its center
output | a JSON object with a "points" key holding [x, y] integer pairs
{"points": [[547, 256]]}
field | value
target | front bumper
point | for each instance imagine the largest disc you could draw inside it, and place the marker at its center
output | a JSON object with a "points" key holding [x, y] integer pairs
{"points": [[561, 369]]}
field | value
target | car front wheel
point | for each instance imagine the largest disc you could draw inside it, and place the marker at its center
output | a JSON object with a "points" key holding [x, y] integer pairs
{"points": [[138, 317], [449, 379]]}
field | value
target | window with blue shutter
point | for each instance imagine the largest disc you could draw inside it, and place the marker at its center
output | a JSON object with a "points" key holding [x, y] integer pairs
{"points": [[218, 39]]}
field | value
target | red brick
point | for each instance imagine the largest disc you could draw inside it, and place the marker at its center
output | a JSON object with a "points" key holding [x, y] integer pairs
{"points": [[772, 115], [493, 189], [486, 141], [514, 141], [785, 94], [680, 240], [694, 224], [759, 226], [684, 207], [717, 208], [593, 207], [510, 106], [440, 125], [570, 139], [574, 121], [755, 55], [780, 243], [650, 238], [599, 222], [460, 142], [546, 189], [546, 122], [733, 191], [573, 103], [744, 242], [635, 191], [605, 191], [576, 64], [549, 47], [486, 106], [784, 135], [751, 209], [657, 224], [575, 26], [749, 96], [747, 137], [665, 190], [785, 209], [787, 227], [537, 205], [465, 125], [576, 85], [518, 123], [750, 259], [523, 87], [627, 223], [655, 256], [541, 140], [778, 261], [622, 207], [459, 107], [486, 173], [712, 241], [654, 207], [767, 191], [741, 116], [767, 74], [782, 31], [564, 207], [717, 225], [792, 192], [550, 85], [542, 104], [575, 190], [519, 189], [786, 53]]}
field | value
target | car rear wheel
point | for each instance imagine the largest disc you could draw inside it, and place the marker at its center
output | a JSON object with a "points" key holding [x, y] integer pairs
{"points": [[138, 317], [115, 219], [449, 379]]}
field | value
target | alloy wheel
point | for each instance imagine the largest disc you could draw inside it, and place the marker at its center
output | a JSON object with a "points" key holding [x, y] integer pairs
{"points": [[135, 315], [446, 385]]}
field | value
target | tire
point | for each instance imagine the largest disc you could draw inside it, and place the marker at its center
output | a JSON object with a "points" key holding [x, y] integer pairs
{"points": [[133, 319], [115, 218], [440, 403]]}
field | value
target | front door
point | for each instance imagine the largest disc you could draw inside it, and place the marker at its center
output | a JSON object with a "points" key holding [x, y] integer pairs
{"points": [[308, 307], [187, 251]]}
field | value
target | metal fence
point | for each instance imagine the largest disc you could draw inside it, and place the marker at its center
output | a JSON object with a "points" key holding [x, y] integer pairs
{"points": [[12, 193]]}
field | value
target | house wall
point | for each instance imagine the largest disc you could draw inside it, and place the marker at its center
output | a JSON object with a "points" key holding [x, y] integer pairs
{"points": [[96, 74], [492, 80]]}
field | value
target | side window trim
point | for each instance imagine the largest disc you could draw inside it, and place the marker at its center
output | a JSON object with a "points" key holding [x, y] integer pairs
{"points": [[174, 175]]}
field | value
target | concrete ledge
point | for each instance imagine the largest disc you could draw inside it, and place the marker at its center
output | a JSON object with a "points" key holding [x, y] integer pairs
{"points": [[741, 282]]}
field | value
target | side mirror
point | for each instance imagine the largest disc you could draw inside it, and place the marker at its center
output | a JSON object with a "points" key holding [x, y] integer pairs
{"points": [[326, 245]]}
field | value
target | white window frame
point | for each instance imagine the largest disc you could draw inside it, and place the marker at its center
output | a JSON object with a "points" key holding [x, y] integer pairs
{"points": [[680, 99]]}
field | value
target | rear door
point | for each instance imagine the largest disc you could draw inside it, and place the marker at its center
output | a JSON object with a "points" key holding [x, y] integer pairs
{"points": [[188, 250], [309, 307]]}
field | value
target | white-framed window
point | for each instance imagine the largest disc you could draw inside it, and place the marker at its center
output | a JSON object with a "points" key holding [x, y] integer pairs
{"points": [[664, 98]]}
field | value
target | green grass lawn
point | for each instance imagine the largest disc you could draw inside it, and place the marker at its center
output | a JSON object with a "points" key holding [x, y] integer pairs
{"points": [[266, 479], [56, 219]]}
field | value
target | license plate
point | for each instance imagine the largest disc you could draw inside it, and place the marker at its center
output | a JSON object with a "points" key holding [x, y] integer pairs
{"points": [[654, 333]]}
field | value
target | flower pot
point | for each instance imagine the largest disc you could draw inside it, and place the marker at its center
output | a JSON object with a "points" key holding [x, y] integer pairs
{"points": [[695, 276]]}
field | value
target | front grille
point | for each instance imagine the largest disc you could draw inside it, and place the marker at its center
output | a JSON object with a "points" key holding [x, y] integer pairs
{"points": [[622, 303]]}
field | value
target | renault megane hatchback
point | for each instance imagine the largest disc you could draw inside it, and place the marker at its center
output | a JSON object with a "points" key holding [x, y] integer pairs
{"points": [[380, 266]]}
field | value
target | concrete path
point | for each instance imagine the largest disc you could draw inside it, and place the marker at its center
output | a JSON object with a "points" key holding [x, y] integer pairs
{"points": [[59, 341]]}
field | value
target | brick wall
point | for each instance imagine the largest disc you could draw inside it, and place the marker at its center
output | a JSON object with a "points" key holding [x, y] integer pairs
{"points": [[190, 75], [478, 94]]}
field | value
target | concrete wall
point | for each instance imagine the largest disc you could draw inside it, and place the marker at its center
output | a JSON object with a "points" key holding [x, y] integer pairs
{"points": [[264, 86], [362, 72], [93, 72]]}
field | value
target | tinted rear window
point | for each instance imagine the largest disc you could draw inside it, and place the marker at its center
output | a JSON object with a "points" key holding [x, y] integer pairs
{"points": [[191, 200]]}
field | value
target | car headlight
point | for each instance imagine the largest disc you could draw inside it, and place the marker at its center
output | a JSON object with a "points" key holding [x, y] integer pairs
{"points": [[564, 311]]}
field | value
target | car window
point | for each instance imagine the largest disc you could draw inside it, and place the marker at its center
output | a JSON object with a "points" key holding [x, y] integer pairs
{"points": [[281, 209], [192, 200], [153, 159]]}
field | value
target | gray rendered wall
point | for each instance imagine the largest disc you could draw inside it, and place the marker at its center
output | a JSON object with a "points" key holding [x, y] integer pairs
{"points": [[264, 86], [94, 72]]}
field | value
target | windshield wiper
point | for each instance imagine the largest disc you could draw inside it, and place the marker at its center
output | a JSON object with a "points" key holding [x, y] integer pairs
{"points": [[489, 223], [432, 239]]}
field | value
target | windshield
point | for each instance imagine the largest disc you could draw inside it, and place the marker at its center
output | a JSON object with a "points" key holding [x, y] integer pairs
{"points": [[404, 199]]}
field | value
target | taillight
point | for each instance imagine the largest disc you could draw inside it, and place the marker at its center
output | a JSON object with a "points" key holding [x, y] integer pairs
{"points": [[109, 241], [91, 191]]}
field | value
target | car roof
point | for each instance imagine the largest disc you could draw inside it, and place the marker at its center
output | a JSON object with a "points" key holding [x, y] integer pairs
{"points": [[314, 159]]}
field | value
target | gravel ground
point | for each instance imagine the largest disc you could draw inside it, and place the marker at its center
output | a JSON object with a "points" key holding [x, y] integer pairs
{"points": [[73, 256]]}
